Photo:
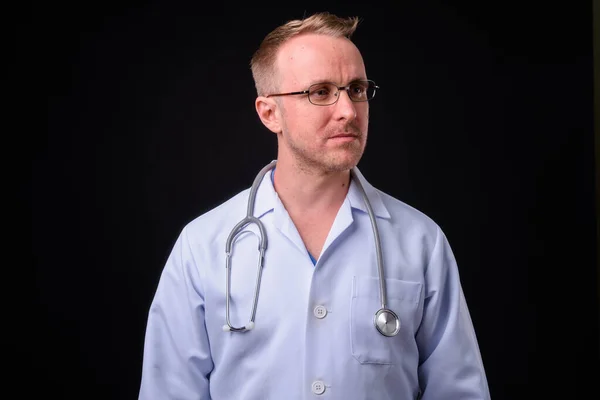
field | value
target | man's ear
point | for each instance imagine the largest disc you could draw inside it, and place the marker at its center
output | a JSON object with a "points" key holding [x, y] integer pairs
{"points": [[268, 112]]}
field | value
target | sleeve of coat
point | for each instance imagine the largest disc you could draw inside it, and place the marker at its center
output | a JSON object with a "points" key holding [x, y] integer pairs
{"points": [[176, 358], [450, 363]]}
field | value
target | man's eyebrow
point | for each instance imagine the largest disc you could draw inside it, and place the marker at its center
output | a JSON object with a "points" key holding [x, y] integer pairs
{"points": [[361, 78], [317, 81]]}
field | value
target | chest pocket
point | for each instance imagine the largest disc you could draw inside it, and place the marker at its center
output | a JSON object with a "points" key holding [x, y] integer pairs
{"points": [[368, 346]]}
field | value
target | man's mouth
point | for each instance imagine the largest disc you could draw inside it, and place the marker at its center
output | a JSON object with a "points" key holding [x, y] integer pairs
{"points": [[344, 135]]}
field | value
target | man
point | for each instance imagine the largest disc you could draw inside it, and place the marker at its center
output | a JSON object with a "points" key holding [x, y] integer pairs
{"points": [[314, 333]]}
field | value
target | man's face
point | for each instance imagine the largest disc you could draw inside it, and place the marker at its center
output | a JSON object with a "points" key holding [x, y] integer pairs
{"points": [[308, 131]]}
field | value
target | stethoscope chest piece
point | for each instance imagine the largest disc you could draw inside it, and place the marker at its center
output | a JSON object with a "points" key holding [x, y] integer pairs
{"points": [[387, 322]]}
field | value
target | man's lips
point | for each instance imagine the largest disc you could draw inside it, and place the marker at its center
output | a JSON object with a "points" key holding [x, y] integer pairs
{"points": [[344, 135]]}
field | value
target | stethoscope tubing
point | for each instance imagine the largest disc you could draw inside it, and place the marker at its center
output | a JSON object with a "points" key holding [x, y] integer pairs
{"points": [[380, 319]]}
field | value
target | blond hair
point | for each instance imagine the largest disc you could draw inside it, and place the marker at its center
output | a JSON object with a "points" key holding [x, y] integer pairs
{"points": [[263, 60]]}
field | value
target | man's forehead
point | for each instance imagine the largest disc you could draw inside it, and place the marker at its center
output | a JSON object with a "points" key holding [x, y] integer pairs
{"points": [[316, 55], [311, 44]]}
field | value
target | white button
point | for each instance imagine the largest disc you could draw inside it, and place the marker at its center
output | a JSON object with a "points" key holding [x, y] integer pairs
{"points": [[318, 387], [320, 312]]}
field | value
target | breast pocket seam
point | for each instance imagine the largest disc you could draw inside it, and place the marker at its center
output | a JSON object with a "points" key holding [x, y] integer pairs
{"points": [[367, 287]]}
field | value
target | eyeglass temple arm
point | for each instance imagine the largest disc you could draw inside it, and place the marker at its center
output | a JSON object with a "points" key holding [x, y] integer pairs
{"points": [[287, 94]]}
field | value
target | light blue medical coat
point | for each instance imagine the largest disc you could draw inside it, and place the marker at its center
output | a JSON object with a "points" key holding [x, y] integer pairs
{"points": [[295, 352]]}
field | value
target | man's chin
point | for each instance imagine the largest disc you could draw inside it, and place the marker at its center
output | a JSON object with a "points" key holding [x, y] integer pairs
{"points": [[343, 163]]}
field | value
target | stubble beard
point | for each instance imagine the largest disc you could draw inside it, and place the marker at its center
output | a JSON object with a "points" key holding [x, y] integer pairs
{"points": [[344, 157]]}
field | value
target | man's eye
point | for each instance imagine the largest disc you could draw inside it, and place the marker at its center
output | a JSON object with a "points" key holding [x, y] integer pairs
{"points": [[322, 92]]}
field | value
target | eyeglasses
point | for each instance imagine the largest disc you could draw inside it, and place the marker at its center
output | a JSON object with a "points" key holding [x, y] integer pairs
{"points": [[327, 93]]}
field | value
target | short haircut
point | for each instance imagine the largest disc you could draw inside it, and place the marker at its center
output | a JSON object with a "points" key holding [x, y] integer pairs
{"points": [[264, 59]]}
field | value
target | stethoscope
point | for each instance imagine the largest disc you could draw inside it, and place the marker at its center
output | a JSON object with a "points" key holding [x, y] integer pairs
{"points": [[385, 320]]}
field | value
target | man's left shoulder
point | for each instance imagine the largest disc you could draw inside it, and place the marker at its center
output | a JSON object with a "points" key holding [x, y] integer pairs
{"points": [[406, 215]]}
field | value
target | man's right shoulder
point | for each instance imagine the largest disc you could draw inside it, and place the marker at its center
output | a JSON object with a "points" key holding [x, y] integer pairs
{"points": [[220, 218]]}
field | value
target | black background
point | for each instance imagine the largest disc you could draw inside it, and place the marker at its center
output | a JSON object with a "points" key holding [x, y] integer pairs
{"points": [[484, 121]]}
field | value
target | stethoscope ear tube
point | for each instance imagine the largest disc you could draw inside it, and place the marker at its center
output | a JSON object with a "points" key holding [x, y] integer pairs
{"points": [[262, 247]]}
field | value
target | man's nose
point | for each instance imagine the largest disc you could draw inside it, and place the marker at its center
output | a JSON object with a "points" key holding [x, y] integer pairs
{"points": [[345, 106]]}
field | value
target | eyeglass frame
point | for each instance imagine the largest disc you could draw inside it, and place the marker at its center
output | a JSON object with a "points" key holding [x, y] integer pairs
{"points": [[339, 88]]}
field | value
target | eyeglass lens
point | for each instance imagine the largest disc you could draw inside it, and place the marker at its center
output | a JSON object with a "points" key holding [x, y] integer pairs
{"points": [[327, 93]]}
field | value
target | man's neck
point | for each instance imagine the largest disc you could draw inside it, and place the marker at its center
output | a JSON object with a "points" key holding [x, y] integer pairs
{"points": [[310, 192]]}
